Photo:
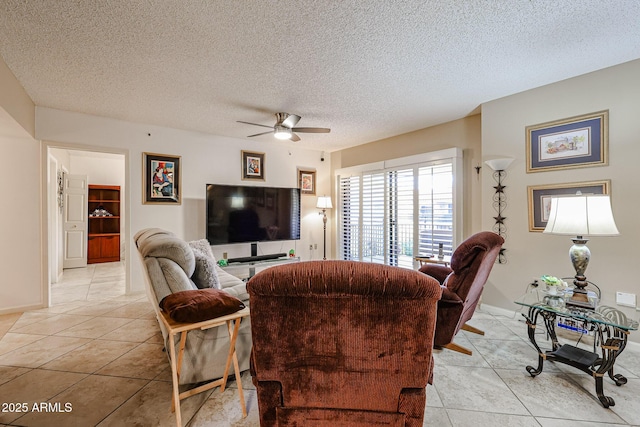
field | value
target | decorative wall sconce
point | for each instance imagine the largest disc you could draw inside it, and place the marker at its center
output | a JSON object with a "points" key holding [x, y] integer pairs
{"points": [[499, 199]]}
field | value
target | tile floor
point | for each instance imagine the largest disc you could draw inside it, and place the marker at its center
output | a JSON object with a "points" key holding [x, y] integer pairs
{"points": [[100, 352]]}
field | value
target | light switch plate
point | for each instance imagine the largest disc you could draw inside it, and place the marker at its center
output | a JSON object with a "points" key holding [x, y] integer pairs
{"points": [[626, 299]]}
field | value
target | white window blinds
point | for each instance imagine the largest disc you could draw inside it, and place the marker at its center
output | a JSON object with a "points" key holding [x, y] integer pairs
{"points": [[389, 216], [373, 242], [400, 217], [349, 217]]}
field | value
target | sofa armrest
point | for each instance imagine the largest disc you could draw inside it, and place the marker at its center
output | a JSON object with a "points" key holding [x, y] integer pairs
{"points": [[232, 285], [437, 271]]}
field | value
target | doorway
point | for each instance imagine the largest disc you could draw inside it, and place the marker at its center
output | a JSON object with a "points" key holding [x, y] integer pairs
{"points": [[101, 166]]}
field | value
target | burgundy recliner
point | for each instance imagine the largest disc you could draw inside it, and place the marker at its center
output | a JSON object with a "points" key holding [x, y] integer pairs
{"points": [[462, 285], [339, 343]]}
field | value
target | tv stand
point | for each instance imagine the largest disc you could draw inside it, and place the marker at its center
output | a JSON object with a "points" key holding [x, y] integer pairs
{"points": [[254, 258]]}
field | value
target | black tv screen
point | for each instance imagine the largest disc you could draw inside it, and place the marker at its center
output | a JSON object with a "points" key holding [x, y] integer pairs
{"points": [[238, 213]]}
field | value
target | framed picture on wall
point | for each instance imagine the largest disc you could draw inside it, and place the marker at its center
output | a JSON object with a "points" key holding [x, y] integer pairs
{"points": [[252, 166], [575, 142], [161, 179], [307, 181], [540, 198]]}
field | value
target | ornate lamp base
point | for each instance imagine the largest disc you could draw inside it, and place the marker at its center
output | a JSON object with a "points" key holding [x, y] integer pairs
{"points": [[580, 256], [580, 299]]}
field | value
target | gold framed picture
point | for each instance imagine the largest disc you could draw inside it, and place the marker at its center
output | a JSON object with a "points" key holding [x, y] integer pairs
{"points": [[540, 198], [575, 142], [252, 166], [307, 181], [161, 179]]}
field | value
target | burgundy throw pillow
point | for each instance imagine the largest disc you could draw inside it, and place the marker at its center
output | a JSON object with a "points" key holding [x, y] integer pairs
{"points": [[199, 305]]}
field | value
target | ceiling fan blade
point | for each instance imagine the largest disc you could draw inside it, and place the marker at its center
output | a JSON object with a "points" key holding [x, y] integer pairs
{"points": [[312, 130], [258, 134], [294, 137], [291, 121], [255, 124]]}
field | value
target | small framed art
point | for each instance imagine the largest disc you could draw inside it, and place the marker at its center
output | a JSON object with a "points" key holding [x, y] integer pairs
{"points": [[252, 166], [540, 198], [161, 179], [307, 181], [575, 142]]}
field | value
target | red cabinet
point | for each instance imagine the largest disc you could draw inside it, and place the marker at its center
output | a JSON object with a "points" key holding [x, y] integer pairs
{"points": [[104, 224]]}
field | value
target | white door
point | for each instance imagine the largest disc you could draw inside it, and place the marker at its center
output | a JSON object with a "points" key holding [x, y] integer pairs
{"points": [[75, 221]]}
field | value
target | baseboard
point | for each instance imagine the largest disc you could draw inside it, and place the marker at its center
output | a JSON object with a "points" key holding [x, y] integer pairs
{"points": [[21, 309], [499, 311]]}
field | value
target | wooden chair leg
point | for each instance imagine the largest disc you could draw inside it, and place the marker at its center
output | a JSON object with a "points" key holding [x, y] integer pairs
{"points": [[458, 348], [175, 401], [236, 366], [177, 354], [469, 328]]}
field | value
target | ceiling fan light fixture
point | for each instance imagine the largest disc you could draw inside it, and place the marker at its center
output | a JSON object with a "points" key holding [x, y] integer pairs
{"points": [[282, 132], [285, 128]]}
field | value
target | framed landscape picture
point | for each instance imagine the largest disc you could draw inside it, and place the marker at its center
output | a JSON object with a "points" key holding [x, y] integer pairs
{"points": [[575, 142], [307, 181], [161, 179], [252, 166], [540, 198]]}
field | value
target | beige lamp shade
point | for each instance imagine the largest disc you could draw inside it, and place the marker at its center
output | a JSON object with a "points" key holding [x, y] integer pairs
{"points": [[324, 202], [581, 216]]}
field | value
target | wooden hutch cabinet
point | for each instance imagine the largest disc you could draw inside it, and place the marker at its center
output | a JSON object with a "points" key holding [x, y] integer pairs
{"points": [[104, 224]]}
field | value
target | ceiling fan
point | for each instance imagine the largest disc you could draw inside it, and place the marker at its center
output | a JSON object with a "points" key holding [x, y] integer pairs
{"points": [[284, 127]]}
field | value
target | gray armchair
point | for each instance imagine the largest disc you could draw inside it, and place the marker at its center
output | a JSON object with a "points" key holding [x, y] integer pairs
{"points": [[169, 266]]}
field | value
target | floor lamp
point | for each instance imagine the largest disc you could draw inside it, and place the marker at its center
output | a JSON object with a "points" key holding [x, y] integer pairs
{"points": [[324, 203]]}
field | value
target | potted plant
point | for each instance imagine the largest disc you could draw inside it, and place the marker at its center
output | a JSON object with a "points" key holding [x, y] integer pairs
{"points": [[554, 285]]}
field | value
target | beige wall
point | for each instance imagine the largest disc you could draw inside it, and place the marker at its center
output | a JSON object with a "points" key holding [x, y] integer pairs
{"points": [[463, 133], [15, 101], [530, 254], [205, 159], [21, 248]]}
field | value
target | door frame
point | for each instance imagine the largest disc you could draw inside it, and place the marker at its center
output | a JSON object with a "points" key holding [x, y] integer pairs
{"points": [[52, 217], [46, 221]]}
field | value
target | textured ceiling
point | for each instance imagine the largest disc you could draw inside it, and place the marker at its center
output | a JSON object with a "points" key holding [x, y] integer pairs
{"points": [[368, 69]]}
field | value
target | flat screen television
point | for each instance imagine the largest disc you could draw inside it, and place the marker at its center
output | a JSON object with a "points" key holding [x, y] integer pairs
{"points": [[239, 213]]}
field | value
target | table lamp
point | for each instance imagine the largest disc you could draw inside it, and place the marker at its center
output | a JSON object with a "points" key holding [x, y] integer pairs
{"points": [[324, 203], [581, 216]]}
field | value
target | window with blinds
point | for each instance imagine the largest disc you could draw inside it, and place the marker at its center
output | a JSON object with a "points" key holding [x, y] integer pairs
{"points": [[349, 217], [373, 238], [389, 216], [435, 213]]}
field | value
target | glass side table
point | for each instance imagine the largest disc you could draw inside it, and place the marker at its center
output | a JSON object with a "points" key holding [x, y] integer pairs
{"points": [[611, 328]]}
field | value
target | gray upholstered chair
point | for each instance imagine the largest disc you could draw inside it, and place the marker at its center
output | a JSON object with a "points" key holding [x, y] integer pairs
{"points": [[169, 266]]}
